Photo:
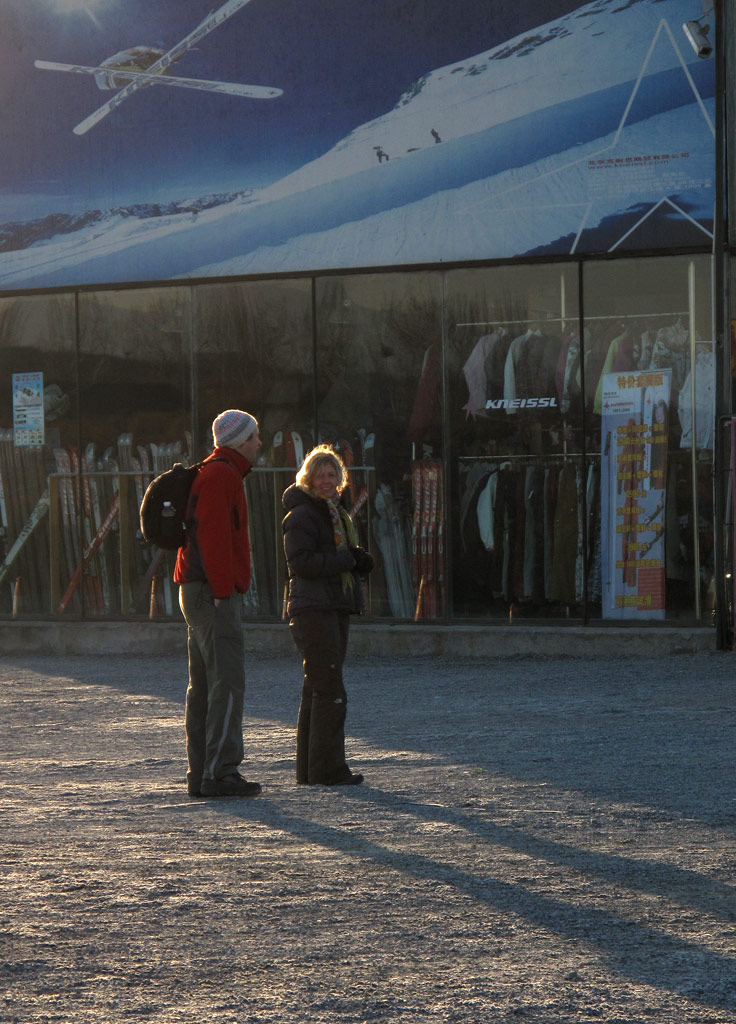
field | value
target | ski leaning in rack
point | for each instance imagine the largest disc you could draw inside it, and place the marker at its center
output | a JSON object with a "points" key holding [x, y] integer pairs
{"points": [[24, 481], [66, 503], [391, 536], [428, 539], [440, 535], [416, 527], [148, 590], [41, 509], [89, 552], [89, 467], [4, 526], [92, 582]]}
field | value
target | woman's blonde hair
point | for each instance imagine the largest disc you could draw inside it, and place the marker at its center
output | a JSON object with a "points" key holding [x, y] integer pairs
{"points": [[320, 456]]}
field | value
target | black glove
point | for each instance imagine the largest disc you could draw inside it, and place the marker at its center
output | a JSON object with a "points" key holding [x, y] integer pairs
{"points": [[363, 561]]}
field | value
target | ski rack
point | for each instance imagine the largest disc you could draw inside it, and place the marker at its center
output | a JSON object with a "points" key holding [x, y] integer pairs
{"points": [[70, 539], [98, 562]]}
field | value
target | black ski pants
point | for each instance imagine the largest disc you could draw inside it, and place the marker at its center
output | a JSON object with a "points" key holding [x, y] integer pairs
{"points": [[321, 637]]}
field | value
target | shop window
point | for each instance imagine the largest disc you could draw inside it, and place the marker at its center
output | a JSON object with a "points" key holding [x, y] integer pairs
{"points": [[652, 423], [725, 480], [500, 469], [379, 401], [516, 420], [38, 409], [254, 351], [135, 421]]}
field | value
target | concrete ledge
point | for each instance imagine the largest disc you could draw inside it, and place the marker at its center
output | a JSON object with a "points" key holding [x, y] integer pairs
{"points": [[492, 641], [28, 637], [18, 637]]}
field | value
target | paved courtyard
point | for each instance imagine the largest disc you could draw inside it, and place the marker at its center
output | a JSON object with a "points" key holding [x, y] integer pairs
{"points": [[550, 840]]}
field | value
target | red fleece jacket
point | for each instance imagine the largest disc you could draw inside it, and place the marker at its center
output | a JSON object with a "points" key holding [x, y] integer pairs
{"points": [[218, 547]]}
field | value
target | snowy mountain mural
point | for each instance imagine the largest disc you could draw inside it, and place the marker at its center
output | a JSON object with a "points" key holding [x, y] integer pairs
{"points": [[589, 133]]}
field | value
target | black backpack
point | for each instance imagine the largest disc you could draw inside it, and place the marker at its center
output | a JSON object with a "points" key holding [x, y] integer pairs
{"points": [[164, 506]]}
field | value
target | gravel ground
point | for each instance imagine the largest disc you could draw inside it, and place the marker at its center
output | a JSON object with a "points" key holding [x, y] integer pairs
{"points": [[537, 839]]}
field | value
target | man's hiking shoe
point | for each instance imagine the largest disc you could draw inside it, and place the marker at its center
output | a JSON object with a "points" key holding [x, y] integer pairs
{"points": [[230, 785]]}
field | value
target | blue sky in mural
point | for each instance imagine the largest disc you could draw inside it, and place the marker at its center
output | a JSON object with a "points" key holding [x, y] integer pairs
{"points": [[338, 62]]}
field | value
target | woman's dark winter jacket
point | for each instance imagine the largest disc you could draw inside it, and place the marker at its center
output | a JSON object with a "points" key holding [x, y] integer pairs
{"points": [[315, 565]]}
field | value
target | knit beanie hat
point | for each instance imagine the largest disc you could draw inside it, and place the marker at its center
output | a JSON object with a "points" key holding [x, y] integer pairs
{"points": [[232, 427]]}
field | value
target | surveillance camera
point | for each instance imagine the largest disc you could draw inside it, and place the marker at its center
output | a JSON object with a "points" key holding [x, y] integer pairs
{"points": [[697, 35]]}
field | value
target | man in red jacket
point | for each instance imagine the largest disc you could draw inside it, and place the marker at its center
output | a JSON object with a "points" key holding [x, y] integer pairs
{"points": [[213, 570]]}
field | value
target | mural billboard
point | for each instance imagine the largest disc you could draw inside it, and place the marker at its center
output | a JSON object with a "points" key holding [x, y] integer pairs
{"points": [[151, 141]]}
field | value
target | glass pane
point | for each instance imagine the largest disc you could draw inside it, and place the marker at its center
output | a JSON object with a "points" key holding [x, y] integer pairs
{"points": [[253, 344], [38, 410], [725, 468], [135, 421], [514, 373], [651, 360], [379, 395]]}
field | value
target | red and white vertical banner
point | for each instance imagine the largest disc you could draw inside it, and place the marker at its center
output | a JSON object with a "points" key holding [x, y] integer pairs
{"points": [[633, 493]]}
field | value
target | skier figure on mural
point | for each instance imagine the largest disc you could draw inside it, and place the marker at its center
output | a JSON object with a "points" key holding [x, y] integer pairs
{"points": [[324, 562], [436, 136], [381, 154], [213, 569]]}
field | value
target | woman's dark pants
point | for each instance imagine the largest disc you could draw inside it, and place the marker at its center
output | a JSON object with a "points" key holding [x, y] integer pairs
{"points": [[321, 638]]}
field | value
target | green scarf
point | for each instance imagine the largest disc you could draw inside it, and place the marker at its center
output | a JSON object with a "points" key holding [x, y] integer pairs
{"points": [[343, 530]]}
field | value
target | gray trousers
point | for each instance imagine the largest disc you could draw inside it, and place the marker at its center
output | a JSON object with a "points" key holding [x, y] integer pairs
{"points": [[214, 706]]}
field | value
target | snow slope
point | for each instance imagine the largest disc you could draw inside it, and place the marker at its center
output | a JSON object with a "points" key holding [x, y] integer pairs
{"points": [[518, 211], [600, 46]]}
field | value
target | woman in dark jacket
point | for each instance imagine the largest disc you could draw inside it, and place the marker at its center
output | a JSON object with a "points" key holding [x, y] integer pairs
{"points": [[324, 561]]}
